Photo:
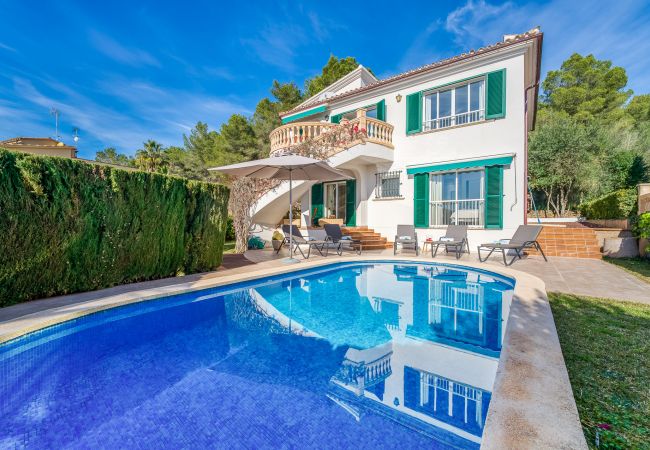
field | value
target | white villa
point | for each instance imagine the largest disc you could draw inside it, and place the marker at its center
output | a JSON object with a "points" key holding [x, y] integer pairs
{"points": [[446, 144]]}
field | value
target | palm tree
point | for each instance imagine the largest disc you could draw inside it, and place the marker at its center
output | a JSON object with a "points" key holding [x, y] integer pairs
{"points": [[151, 158]]}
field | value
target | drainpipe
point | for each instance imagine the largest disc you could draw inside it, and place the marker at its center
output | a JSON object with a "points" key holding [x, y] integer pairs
{"points": [[532, 86]]}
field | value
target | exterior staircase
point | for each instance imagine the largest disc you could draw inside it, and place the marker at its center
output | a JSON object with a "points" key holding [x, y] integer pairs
{"points": [[571, 242], [369, 239]]}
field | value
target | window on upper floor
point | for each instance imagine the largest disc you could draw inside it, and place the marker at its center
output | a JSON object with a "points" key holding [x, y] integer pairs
{"points": [[458, 105], [388, 184]]}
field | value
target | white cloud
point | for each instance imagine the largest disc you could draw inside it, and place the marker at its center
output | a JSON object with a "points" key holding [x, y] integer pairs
{"points": [[420, 51], [466, 23], [276, 45], [142, 110], [320, 31], [617, 31], [117, 52], [8, 48]]}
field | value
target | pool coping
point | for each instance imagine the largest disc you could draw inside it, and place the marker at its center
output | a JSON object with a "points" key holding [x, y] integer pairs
{"points": [[532, 402]]}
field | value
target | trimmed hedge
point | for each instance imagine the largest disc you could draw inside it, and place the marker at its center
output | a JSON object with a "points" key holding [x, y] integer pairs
{"points": [[69, 226], [615, 205]]}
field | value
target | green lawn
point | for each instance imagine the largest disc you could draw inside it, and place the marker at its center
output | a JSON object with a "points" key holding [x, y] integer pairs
{"points": [[606, 346], [229, 247], [638, 267]]}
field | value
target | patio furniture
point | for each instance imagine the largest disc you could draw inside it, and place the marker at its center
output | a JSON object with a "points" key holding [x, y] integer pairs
{"points": [[407, 238], [335, 237], [287, 167], [455, 238], [524, 238], [295, 239]]}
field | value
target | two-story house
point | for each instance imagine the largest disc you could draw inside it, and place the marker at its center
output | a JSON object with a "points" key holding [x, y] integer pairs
{"points": [[446, 144]]}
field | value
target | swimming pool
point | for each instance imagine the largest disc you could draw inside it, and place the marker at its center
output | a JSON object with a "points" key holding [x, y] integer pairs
{"points": [[347, 355]]}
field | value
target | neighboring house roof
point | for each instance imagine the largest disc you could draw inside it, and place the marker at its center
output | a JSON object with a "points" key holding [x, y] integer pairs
{"points": [[508, 40], [34, 142]]}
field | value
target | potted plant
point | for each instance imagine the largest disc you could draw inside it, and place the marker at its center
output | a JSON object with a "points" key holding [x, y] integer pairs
{"points": [[276, 240]]}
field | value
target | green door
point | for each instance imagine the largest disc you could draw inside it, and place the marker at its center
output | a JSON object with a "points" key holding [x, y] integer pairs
{"points": [[316, 203], [351, 203]]}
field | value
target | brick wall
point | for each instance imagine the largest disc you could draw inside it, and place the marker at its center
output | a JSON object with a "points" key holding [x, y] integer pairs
{"points": [[574, 242]]}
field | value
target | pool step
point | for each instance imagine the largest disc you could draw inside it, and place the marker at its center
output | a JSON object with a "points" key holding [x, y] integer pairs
{"points": [[369, 239]]}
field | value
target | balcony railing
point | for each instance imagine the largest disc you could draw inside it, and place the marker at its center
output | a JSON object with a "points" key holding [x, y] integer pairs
{"points": [[377, 130], [364, 375], [457, 212], [290, 135], [450, 121]]}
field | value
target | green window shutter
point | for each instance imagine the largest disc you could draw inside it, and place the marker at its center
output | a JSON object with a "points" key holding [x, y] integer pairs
{"points": [[351, 203], [381, 110], [336, 118], [495, 99], [494, 197], [414, 113], [421, 200], [316, 203]]}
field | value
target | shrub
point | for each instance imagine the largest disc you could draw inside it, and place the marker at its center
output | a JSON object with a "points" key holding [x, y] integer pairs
{"points": [[619, 204], [642, 228], [70, 226], [230, 230]]}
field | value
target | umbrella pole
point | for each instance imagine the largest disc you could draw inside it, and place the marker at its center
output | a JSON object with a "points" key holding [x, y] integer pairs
{"points": [[291, 258]]}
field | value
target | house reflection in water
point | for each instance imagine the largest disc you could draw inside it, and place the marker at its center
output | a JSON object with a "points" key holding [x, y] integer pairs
{"points": [[422, 349]]}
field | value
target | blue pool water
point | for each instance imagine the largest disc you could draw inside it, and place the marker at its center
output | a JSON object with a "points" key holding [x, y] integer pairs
{"points": [[356, 355]]}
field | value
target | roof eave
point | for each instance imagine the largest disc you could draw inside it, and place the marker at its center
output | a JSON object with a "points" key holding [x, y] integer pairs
{"points": [[424, 69]]}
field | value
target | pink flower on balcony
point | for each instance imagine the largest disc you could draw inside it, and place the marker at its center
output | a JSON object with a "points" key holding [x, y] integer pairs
{"points": [[362, 130]]}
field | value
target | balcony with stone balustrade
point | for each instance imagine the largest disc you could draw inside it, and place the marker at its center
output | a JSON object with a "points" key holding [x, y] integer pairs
{"points": [[291, 135]]}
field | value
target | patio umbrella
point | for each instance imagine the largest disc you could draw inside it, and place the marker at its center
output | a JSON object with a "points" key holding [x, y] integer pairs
{"points": [[288, 167]]}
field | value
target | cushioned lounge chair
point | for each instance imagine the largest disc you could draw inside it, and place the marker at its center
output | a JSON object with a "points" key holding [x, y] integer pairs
{"points": [[455, 238], [524, 238], [407, 238], [298, 239], [337, 240]]}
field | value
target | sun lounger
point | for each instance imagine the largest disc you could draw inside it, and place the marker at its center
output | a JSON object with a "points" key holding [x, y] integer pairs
{"points": [[407, 238], [455, 238], [336, 239], [524, 238], [298, 239]]}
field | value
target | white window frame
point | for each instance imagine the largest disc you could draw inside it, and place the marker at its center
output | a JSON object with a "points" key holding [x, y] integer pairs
{"points": [[480, 202], [453, 119]]}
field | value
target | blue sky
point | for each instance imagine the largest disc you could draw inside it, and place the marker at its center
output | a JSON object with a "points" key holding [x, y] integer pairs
{"points": [[123, 72]]}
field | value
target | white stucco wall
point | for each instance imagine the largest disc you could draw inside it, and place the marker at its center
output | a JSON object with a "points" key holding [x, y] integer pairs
{"points": [[478, 140], [485, 139]]}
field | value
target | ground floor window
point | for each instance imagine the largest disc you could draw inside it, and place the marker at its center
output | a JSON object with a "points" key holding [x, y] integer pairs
{"points": [[457, 198], [388, 184]]}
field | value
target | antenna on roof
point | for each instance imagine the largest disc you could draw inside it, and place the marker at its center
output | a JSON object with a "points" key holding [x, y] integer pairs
{"points": [[55, 112]]}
